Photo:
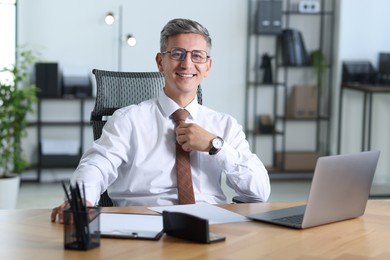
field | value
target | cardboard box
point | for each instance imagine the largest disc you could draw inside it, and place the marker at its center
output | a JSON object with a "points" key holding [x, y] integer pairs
{"points": [[303, 102], [297, 161]]}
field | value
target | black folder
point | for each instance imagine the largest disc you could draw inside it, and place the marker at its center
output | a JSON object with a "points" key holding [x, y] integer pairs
{"points": [[189, 227], [293, 48]]}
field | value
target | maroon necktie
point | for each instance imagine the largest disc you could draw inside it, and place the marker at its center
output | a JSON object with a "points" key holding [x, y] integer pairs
{"points": [[183, 167]]}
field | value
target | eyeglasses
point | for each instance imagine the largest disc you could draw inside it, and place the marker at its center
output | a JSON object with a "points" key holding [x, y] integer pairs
{"points": [[197, 56]]}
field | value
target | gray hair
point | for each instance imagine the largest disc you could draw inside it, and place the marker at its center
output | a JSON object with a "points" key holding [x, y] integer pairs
{"points": [[178, 26]]}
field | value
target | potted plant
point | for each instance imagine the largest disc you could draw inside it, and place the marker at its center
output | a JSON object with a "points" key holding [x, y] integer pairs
{"points": [[319, 65], [17, 96]]}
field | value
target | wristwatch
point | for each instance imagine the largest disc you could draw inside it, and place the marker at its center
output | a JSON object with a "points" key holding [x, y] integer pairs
{"points": [[216, 145]]}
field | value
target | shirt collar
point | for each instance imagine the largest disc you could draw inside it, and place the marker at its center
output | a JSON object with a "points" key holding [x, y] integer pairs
{"points": [[169, 106]]}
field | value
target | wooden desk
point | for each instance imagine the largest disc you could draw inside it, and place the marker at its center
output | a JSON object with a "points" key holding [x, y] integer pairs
{"points": [[28, 234]]}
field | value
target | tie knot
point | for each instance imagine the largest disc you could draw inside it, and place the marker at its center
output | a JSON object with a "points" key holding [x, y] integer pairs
{"points": [[180, 115]]}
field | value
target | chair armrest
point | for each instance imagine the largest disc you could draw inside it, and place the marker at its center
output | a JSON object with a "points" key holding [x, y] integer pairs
{"points": [[239, 199]]}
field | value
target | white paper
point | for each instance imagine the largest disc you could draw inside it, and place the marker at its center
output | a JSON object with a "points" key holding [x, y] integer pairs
{"points": [[214, 214], [122, 224]]}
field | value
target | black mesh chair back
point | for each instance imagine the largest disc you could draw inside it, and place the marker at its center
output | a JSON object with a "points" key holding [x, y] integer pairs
{"points": [[115, 90], [119, 89]]}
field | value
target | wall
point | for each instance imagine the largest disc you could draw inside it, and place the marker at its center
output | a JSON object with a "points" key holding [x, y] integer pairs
{"points": [[73, 32], [364, 32]]}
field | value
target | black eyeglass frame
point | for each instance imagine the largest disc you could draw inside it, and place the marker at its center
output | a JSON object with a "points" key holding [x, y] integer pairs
{"points": [[184, 55]]}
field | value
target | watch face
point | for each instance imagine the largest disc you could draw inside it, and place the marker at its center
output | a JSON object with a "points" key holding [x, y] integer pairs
{"points": [[217, 143]]}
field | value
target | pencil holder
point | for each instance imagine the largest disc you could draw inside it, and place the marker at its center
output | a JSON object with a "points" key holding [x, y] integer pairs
{"points": [[82, 229]]}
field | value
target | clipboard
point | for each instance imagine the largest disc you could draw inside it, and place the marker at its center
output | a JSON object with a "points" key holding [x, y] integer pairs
{"points": [[131, 226]]}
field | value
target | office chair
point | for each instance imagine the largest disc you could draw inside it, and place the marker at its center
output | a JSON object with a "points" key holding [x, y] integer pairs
{"points": [[119, 89]]}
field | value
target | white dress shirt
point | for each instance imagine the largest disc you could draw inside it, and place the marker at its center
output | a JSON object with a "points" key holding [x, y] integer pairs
{"points": [[135, 158]]}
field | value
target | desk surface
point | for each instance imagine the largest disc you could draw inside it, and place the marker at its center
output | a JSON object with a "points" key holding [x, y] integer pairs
{"points": [[29, 234]]}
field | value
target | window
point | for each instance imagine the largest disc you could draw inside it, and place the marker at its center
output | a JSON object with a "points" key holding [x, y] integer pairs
{"points": [[7, 33]]}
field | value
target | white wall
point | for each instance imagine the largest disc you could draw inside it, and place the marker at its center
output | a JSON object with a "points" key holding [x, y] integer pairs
{"points": [[73, 32], [363, 33]]}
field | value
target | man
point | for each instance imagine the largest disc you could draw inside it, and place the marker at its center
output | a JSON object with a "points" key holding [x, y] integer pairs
{"points": [[135, 157]]}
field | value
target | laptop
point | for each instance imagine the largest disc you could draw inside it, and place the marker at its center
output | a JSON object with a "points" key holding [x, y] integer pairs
{"points": [[339, 190]]}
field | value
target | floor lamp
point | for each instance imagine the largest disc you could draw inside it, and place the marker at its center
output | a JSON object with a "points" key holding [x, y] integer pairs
{"points": [[129, 38]]}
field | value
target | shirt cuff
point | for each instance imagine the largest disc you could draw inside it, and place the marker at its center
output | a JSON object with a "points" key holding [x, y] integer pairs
{"points": [[226, 157]]}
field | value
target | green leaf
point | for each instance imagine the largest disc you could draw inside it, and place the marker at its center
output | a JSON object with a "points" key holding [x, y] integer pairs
{"points": [[17, 97]]}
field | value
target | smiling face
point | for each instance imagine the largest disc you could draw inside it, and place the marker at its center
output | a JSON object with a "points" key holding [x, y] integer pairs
{"points": [[183, 77]]}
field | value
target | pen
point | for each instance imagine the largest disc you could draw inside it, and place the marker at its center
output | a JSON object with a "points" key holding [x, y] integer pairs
{"points": [[66, 192], [82, 215], [86, 214]]}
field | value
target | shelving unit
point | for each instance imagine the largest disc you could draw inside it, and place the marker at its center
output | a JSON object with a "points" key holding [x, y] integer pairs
{"points": [[78, 124], [292, 136]]}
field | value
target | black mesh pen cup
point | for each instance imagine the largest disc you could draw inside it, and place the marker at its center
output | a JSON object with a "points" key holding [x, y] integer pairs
{"points": [[82, 229]]}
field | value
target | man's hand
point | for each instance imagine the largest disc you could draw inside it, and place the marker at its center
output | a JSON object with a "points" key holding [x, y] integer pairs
{"points": [[193, 137], [60, 211]]}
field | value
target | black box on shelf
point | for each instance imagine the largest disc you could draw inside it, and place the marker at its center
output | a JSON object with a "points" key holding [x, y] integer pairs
{"points": [[268, 19], [60, 160], [384, 69], [358, 72], [266, 126], [47, 80]]}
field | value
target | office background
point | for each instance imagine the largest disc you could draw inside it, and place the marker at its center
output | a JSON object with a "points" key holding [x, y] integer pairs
{"points": [[74, 33]]}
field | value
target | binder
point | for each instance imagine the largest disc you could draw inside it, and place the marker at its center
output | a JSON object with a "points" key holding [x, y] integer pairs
{"points": [[293, 48]]}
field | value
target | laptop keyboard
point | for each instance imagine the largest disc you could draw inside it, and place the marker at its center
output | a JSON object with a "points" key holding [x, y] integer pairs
{"points": [[294, 219]]}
